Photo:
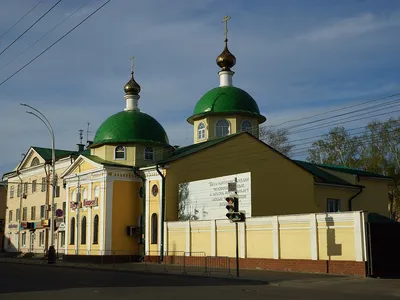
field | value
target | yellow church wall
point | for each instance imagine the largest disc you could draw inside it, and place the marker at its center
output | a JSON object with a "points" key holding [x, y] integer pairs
{"points": [[323, 193], [324, 236], [374, 197], [125, 212], [278, 186]]}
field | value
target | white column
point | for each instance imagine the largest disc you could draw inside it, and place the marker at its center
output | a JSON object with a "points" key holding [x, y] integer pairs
{"points": [[89, 220], [358, 236], [159, 215], [213, 238], [313, 237], [66, 221], [275, 237], [225, 78], [132, 102], [188, 241], [102, 207], [166, 238], [242, 236], [147, 223]]}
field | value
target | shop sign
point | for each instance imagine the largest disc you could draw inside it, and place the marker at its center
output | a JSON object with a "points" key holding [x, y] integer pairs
{"points": [[12, 226], [90, 203]]}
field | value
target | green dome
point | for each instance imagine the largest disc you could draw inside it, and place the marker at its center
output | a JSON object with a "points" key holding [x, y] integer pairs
{"points": [[130, 127], [226, 100]]}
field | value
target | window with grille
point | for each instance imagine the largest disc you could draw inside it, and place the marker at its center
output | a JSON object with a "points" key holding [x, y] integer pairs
{"points": [[72, 232], [201, 131], [33, 213], [333, 205], [96, 230], [83, 231], [222, 128], [24, 214], [154, 229], [120, 152], [148, 153], [34, 185]]}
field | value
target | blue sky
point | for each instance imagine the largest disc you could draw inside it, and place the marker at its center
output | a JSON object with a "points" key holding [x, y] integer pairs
{"points": [[296, 58]]}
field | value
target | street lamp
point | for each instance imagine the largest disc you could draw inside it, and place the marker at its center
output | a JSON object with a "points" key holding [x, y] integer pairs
{"points": [[46, 122]]}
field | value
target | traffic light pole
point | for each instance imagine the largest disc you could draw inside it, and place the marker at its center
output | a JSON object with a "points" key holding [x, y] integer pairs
{"points": [[237, 249]]}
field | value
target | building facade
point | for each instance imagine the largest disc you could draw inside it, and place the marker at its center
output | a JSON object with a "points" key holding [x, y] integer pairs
{"points": [[29, 197], [3, 205]]}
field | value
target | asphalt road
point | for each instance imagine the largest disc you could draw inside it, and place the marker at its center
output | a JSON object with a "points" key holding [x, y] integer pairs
{"points": [[19, 281]]}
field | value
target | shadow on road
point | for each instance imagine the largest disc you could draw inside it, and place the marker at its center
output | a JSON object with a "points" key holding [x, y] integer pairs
{"points": [[29, 278]]}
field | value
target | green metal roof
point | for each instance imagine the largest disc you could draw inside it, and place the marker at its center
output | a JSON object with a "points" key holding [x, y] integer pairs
{"points": [[46, 153], [353, 171], [226, 100], [321, 174], [130, 127]]}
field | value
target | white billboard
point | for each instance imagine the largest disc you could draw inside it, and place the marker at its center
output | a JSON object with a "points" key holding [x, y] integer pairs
{"points": [[205, 199]]}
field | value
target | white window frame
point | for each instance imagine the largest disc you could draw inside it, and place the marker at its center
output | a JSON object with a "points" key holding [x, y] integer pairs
{"points": [[12, 192], [23, 239], [216, 126], [334, 203], [248, 129], [41, 238], [147, 151], [201, 132], [119, 151]]}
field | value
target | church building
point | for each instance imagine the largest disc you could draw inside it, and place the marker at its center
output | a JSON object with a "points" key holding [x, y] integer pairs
{"points": [[121, 195]]}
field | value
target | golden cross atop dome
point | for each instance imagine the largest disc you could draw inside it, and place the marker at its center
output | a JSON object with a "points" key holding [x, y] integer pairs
{"points": [[132, 59], [225, 20]]}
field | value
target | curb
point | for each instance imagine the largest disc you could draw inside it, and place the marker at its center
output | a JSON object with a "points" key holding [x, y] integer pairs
{"points": [[149, 273]]}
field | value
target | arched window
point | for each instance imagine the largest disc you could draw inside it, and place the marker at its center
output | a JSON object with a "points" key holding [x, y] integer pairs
{"points": [[84, 194], [154, 230], [120, 152], [148, 153], [83, 231], [96, 229], [72, 232], [35, 162], [97, 192], [201, 131], [222, 128], [246, 126]]}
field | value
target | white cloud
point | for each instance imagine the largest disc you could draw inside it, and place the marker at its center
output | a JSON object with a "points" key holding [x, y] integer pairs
{"points": [[352, 26]]}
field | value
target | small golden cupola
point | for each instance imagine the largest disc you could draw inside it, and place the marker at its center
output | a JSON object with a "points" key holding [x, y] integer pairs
{"points": [[226, 60], [132, 90]]}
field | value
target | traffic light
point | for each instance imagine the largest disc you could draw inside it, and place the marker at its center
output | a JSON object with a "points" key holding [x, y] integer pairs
{"points": [[233, 208]]}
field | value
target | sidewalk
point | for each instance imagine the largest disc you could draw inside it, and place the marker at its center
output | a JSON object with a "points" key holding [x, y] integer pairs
{"points": [[265, 277]]}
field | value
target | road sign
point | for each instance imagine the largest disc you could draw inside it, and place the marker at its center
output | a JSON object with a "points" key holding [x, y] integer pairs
{"points": [[231, 186], [61, 227], [59, 213]]}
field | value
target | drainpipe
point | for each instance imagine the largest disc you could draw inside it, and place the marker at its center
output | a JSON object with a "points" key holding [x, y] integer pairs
{"points": [[162, 213], [352, 197], [143, 236]]}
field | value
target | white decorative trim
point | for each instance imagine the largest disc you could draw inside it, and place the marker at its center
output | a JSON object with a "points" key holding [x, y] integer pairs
{"points": [[294, 228], [108, 204], [67, 208], [90, 220], [213, 238], [259, 229], [358, 243], [313, 237], [166, 237], [147, 221], [159, 217], [275, 238], [102, 220], [242, 238], [364, 235], [188, 234], [115, 152]]}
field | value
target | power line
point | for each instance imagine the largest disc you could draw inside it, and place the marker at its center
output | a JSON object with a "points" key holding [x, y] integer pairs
{"points": [[348, 113], [335, 110], [45, 50], [50, 9], [20, 19], [38, 40]]}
